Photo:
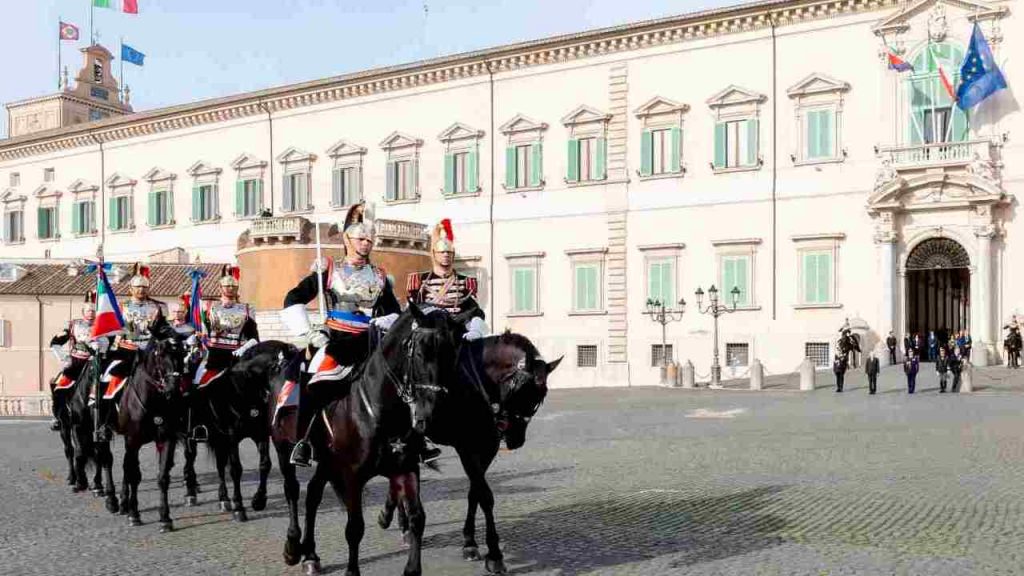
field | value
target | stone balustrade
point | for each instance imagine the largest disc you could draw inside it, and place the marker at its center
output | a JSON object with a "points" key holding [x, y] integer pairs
{"points": [[25, 405]]}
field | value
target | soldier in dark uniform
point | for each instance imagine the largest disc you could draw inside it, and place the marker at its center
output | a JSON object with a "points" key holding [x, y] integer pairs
{"points": [[443, 287], [839, 368], [942, 369], [911, 366], [77, 337], [141, 315], [890, 343], [955, 368], [357, 293], [871, 368]]}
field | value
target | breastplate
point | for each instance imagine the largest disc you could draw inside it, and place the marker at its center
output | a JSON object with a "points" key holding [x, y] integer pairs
{"points": [[447, 293], [81, 334], [356, 289], [226, 322], [138, 318]]}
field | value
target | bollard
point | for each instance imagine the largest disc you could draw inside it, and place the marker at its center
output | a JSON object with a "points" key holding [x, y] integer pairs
{"points": [[756, 375], [807, 374], [966, 385], [688, 375]]}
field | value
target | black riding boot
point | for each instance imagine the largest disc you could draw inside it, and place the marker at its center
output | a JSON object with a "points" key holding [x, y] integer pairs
{"points": [[103, 432], [302, 453], [55, 407]]}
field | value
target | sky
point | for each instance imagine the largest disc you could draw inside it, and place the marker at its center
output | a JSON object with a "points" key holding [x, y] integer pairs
{"points": [[198, 49]]}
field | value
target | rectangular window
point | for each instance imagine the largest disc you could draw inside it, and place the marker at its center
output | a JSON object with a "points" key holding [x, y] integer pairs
{"points": [[121, 213], [820, 134], [248, 197], [14, 227], [660, 355], [83, 217], [296, 193], [818, 353], [736, 272], [736, 144], [737, 354], [661, 151], [586, 356], [5, 331], [817, 273], [524, 289], [48, 174], [47, 223], [459, 173], [522, 166], [345, 186], [204, 203], [587, 284], [15, 179], [661, 281], [401, 184]]}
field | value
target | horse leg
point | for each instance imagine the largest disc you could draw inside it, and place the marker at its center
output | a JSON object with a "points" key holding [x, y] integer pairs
{"points": [[105, 461], [292, 545], [80, 454], [189, 470], [166, 451], [410, 497], [387, 513], [132, 477], [314, 494], [237, 505], [259, 499], [97, 476], [476, 468], [470, 551], [220, 454], [355, 527], [73, 478]]}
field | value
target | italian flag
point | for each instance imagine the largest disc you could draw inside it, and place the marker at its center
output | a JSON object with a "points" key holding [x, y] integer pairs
{"points": [[128, 6], [108, 314]]}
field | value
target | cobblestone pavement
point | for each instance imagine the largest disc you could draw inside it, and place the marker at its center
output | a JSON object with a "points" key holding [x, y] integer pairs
{"points": [[644, 481]]}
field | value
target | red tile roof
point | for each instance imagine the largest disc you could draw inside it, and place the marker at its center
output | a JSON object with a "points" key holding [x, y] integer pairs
{"points": [[166, 280]]}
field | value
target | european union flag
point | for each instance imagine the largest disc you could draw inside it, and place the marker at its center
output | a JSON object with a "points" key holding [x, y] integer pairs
{"points": [[979, 75], [131, 55]]}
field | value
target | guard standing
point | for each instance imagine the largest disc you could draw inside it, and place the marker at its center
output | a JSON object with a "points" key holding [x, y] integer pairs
{"points": [[911, 365], [839, 368], [942, 369], [890, 343], [871, 368]]}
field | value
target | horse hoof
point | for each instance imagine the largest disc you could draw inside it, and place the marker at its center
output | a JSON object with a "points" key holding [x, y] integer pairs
{"points": [[384, 520], [495, 566], [471, 553], [225, 506], [112, 506], [312, 567], [239, 516], [71, 480], [406, 538], [351, 572], [97, 491], [191, 501], [259, 501], [166, 527], [80, 488], [291, 552], [134, 520]]}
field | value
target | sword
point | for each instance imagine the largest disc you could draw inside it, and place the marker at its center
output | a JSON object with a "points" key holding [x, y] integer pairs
{"points": [[321, 302]]}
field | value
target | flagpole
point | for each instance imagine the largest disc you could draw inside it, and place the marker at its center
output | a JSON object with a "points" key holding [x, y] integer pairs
{"points": [[60, 35], [92, 8], [121, 58]]}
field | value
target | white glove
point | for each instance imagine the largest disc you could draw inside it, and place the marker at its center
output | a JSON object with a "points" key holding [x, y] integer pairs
{"points": [[317, 338], [475, 328], [191, 341], [384, 322], [244, 347]]}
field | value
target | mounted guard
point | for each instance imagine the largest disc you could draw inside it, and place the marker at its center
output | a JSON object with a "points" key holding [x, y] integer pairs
{"points": [[229, 330], [352, 293], [443, 287], [73, 347], [141, 315]]}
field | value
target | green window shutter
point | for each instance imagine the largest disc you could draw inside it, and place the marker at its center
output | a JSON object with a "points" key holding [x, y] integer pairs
{"points": [[653, 282], [472, 170], [151, 209], [197, 204], [813, 136], [390, 192], [810, 278], [536, 161], [646, 153], [728, 274], [824, 277], [960, 130], [677, 143], [668, 288], [112, 220], [510, 167], [414, 178], [600, 162], [449, 173], [169, 206], [826, 134], [915, 129], [741, 265], [240, 198], [355, 182], [336, 176], [258, 184], [581, 288], [720, 156], [573, 171], [751, 142], [40, 223], [531, 279], [76, 218]]}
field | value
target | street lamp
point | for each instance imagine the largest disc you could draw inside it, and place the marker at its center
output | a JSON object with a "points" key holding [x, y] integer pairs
{"points": [[658, 313], [715, 310]]}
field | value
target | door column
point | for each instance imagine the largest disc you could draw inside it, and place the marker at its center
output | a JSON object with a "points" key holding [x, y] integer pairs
{"points": [[984, 348], [885, 239]]}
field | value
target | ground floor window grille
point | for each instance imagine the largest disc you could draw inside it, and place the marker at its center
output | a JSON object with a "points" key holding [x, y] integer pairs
{"points": [[586, 356], [658, 354], [818, 353], [737, 354]]}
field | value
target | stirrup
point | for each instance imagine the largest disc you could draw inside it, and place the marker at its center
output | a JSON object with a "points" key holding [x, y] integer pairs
{"points": [[429, 454], [54, 425], [302, 454], [200, 434], [102, 434]]}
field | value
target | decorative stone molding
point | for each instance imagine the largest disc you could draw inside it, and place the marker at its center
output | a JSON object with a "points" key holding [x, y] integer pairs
{"points": [[158, 175], [296, 160], [586, 121], [118, 182], [736, 101], [398, 140], [203, 169], [248, 162], [885, 228], [898, 23], [343, 148], [523, 128], [45, 191], [459, 132]]}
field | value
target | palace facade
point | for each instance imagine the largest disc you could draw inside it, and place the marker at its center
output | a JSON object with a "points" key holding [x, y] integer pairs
{"points": [[765, 147]]}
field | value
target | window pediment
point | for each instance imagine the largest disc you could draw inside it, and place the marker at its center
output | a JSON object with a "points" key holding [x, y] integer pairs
{"points": [[459, 131], [400, 140], [11, 200], [974, 11], [735, 96], [45, 191], [345, 148], [203, 168], [585, 115], [156, 174], [293, 154], [659, 106], [817, 84], [522, 124], [118, 180], [246, 161]]}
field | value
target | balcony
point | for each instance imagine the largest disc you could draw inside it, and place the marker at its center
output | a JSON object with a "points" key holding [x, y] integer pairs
{"points": [[980, 158], [280, 229], [401, 234]]}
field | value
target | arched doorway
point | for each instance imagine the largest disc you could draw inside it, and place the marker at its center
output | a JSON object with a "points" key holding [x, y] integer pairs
{"points": [[938, 288]]}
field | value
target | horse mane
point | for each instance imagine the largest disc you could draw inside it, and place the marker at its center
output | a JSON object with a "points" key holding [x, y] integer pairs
{"points": [[510, 338]]}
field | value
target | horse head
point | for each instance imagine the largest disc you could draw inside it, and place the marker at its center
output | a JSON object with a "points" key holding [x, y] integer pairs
{"points": [[426, 347], [164, 364], [515, 364]]}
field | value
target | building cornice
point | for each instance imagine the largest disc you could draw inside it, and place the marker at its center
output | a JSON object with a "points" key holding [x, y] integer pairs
{"points": [[560, 49]]}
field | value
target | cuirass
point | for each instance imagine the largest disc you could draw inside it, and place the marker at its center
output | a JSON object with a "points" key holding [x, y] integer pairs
{"points": [[138, 317], [356, 289], [228, 320], [81, 331]]}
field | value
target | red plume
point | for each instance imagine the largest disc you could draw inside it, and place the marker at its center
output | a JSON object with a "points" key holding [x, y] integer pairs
{"points": [[144, 270], [236, 272], [186, 300], [447, 225]]}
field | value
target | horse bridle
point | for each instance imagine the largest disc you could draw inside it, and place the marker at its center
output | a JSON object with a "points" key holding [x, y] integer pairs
{"points": [[507, 387], [407, 388]]}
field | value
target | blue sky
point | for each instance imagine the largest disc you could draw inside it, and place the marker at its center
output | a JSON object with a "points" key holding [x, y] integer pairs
{"points": [[198, 49]]}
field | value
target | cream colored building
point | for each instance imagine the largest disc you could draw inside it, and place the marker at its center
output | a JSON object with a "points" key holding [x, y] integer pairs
{"points": [[765, 146]]}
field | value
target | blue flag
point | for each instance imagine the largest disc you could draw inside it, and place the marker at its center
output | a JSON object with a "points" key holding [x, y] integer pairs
{"points": [[131, 55], [979, 75], [195, 312]]}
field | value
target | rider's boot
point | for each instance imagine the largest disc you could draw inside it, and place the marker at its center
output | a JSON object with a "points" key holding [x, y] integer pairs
{"points": [[302, 453]]}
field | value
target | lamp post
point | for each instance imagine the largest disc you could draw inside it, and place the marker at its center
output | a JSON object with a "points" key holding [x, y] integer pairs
{"points": [[659, 313], [715, 310]]}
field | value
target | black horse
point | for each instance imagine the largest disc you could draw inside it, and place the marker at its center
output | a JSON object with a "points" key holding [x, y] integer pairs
{"points": [[79, 417], [501, 383], [848, 342], [364, 433], [1012, 345], [62, 413], [235, 407], [150, 410]]}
